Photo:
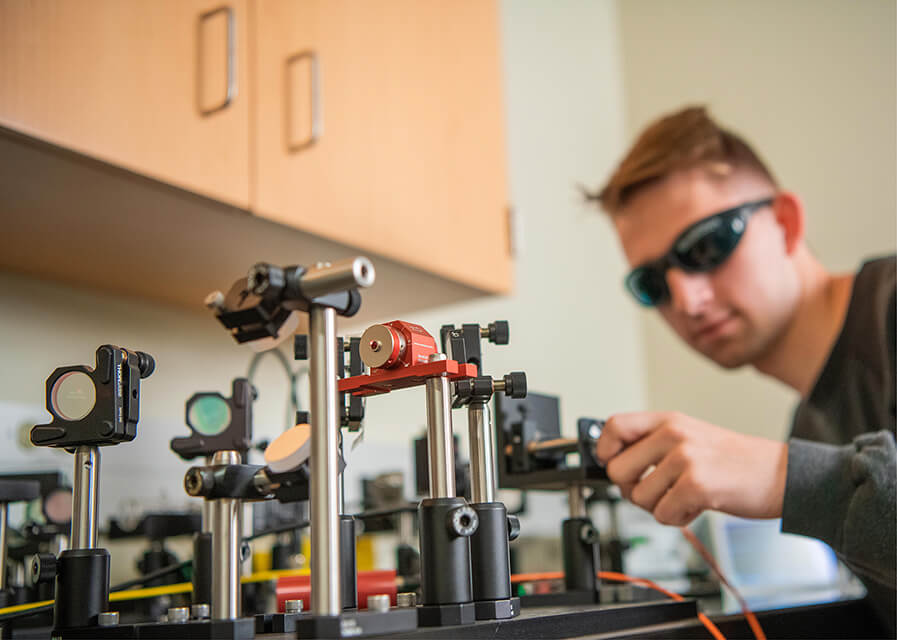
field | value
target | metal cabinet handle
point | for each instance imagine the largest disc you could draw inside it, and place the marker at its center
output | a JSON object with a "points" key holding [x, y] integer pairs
{"points": [[317, 125], [231, 69]]}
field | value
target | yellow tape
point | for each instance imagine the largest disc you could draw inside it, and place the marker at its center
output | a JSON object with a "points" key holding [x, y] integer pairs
{"points": [[167, 590]]}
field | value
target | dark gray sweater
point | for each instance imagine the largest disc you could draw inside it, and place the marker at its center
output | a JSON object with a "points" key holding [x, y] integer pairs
{"points": [[842, 459]]}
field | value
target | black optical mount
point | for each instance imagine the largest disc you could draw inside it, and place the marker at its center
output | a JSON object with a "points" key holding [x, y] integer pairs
{"points": [[533, 455], [114, 416], [351, 407], [489, 544], [258, 305], [82, 572], [235, 436]]}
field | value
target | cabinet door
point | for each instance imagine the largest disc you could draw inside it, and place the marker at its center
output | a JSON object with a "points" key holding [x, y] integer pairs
{"points": [[142, 84], [379, 124]]}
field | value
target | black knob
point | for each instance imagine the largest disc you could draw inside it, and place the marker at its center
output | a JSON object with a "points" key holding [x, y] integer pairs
{"points": [[515, 384], [513, 527], [499, 332], [302, 417], [145, 364], [43, 568], [300, 347], [588, 534]]}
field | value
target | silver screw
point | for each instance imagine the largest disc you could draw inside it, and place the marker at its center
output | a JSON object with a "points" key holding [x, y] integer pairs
{"points": [[108, 619], [594, 431], [292, 606], [379, 602], [199, 611], [178, 615], [406, 599]]}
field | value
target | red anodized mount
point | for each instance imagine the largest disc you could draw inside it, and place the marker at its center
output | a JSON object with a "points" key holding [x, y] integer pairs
{"points": [[399, 353]]}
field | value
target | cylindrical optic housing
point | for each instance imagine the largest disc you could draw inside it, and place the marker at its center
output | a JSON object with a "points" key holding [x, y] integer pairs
{"points": [[351, 273]]}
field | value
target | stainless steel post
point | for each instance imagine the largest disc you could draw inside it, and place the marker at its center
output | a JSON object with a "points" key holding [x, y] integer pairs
{"points": [[325, 561], [577, 501], [85, 498], [4, 521], [225, 529], [439, 436], [482, 456]]}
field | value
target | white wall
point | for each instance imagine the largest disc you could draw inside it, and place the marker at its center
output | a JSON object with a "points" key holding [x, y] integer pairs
{"points": [[572, 330], [812, 84]]}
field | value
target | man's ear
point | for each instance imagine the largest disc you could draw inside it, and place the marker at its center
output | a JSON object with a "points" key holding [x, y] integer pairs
{"points": [[789, 213]]}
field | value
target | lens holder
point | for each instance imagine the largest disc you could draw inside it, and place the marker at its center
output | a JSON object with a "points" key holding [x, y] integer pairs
{"points": [[95, 407]]}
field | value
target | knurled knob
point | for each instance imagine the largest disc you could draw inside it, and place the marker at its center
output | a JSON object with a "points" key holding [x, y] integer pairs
{"points": [[43, 568], [515, 384], [499, 332]]}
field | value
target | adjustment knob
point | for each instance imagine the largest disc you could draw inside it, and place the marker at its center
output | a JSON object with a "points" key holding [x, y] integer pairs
{"points": [[499, 332], [43, 568], [145, 364], [513, 527], [515, 384]]}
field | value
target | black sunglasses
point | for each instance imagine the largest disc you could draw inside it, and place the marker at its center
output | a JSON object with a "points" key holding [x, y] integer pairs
{"points": [[702, 247]]}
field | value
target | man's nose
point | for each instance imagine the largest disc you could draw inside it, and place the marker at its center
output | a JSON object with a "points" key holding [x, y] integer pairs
{"points": [[689, 292]]}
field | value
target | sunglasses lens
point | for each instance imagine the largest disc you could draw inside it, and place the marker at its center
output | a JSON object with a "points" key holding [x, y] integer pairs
{"points": [[647, 285], [708, 244]]}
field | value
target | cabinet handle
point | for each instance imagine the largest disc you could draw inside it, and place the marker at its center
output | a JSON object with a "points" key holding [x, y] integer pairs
{"points": [[231, 60], [315, 92]]}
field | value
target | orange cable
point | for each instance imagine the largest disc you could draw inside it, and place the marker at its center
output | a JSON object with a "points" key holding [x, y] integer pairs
{"points": [[711, 562], [622, 577]]}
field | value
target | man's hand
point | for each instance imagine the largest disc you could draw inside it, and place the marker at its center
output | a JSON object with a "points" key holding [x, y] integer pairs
{"points": [[676, 466]]}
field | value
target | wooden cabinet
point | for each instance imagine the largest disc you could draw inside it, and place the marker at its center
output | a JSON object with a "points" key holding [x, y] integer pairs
{"points": [[126, 81], [376, 124], [409, 156]]}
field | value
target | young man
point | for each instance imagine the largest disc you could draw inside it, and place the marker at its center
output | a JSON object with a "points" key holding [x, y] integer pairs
{"points": [[718, 248]]}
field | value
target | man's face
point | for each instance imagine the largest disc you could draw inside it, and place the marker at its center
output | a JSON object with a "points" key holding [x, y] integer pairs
{"points": [[733, 314]]}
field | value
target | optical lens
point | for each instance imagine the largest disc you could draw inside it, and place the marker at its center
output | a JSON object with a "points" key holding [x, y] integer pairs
{"points": [[73, 396], [648, 285], [710, 242], [209, 415]]}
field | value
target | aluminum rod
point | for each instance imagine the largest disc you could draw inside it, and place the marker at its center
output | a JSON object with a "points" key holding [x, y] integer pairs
{"points": [[439, 436], [224, 521], [577, 500], [4, 522], [325, 560], [482, 456], [325, 278], [85, 498]]}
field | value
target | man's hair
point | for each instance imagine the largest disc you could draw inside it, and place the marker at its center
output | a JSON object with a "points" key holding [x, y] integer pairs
{"points": [[680, 141]]}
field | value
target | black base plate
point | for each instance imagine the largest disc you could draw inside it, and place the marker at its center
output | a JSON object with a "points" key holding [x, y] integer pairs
{"points": [[443, 615], [239, 629], [560, 599], [497, 609], [276, 622], [354, 624]]}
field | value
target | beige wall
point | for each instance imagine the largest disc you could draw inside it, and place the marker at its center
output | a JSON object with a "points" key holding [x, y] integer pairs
{"points": [[571, 329], [812, 84]]}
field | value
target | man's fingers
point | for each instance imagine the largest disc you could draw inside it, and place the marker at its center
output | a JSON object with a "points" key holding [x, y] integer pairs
{"points": [[623, 429], [629, 465], [680, 505], [655, 485]]}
